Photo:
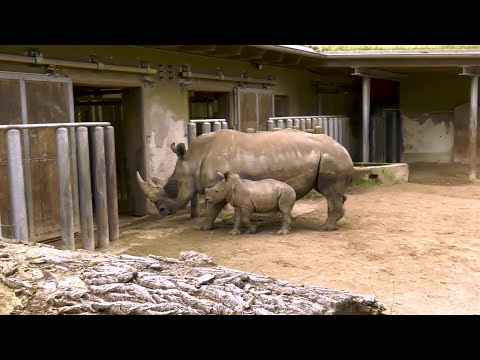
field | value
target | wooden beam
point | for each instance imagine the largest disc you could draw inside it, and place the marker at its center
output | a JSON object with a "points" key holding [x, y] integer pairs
{"points": [[197, 49], [471, 71], [227, 50], [290, 59], [378, 74], [272, 56], [249, 53]]}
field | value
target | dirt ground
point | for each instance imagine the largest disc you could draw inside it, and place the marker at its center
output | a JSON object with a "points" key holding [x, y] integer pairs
{"points": [[415, 246]]}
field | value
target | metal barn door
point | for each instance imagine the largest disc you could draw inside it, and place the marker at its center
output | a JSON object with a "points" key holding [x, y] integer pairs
{"points": [[253, 108], [36, 99]]}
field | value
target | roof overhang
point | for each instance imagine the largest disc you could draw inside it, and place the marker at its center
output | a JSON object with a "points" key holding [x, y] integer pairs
{"points": [[335, 62]]}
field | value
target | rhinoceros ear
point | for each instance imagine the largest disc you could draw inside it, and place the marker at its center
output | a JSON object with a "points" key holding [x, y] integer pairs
{"points": [[181, 150], [227, 175], [221, 175]]}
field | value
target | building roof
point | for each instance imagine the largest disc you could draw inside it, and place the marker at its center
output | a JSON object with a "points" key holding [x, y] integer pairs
{"points": [[340, 62]]}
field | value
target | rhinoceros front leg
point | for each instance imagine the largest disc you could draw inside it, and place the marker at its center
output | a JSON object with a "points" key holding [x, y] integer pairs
{"points": [[194, 206], [247, 221], [211, 213], [238, 222]]}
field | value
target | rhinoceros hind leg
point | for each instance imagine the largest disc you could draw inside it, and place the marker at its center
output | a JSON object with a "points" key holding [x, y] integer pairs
{"points": [[335, 212]]}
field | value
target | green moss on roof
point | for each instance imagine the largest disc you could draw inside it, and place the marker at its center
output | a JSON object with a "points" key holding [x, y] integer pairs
{"points": [[390, 47]]}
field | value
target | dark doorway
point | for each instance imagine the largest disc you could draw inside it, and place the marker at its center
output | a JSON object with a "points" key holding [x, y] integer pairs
{"points": [[210, 105], [122, 108], [385, 121], [281, 106]]}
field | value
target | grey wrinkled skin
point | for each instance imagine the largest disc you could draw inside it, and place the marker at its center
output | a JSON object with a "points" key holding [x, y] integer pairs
{"points": [[248, 197], [302, 160]]}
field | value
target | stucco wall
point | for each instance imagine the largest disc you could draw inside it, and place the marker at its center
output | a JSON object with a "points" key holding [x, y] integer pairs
{"points": [[427, 102], [427, 137], [461, 121]]}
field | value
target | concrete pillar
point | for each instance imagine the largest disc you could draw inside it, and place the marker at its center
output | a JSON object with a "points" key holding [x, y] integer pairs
{"points": [[270, 125], [308, 123], [473, 127], [217, 126], [17, 186], [111, 173], [289, 123], [280, 124], [206, 127], [192, 132], [366, 118], [224, 125], [302, 124]]}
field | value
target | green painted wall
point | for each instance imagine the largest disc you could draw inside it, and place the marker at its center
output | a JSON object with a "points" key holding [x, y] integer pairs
{"points": [[433, 91]]}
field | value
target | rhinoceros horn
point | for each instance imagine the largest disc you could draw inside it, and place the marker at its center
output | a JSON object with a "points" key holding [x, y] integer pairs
{"points": [[149, 190]]}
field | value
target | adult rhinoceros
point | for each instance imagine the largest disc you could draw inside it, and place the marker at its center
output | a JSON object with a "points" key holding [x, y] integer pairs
{"points": [[302, 160]]}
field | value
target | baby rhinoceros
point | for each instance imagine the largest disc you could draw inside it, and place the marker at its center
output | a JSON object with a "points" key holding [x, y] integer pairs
{"points": [[248, 196]]}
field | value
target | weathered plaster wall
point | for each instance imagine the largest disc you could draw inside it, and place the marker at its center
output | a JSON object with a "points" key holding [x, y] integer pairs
{"points": [[427, 101], [427, 137], [433, 91], [461, 122]]}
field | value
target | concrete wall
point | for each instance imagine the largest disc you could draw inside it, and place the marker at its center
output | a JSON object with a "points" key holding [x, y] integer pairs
{"points": [[427, 137], [427, 102], [165, 105], [461, 122]]}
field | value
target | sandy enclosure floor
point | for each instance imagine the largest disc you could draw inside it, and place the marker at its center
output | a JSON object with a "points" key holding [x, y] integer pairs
{"points": [[415, 246]]}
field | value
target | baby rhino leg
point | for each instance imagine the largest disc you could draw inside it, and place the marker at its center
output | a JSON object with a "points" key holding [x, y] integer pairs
{"points": [[285, 205], [246, 220], [237, 222]]}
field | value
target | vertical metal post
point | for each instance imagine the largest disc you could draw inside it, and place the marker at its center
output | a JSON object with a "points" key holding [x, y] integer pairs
{"points": [[85, 189], [73, 147], [64, 188], [217, 126], [366, 117], [17, 186], [269, 125], [308, 123], [111, 172], [473, 127], [206, 127], [192, 131], [26, 155], [100, 187], [302, 124], [289, 123], [224, 125]]}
